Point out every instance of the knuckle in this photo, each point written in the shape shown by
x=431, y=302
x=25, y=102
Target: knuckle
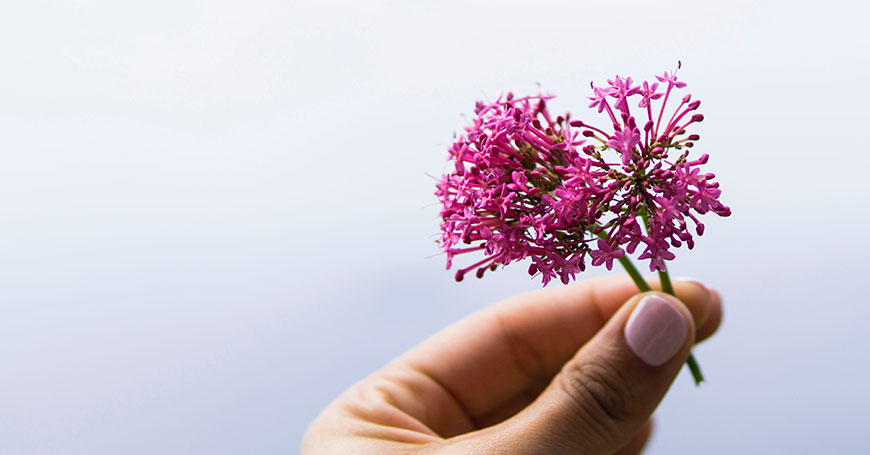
x=603, y=397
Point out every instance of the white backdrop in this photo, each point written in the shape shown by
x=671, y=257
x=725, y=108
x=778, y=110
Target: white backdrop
x=215, y=216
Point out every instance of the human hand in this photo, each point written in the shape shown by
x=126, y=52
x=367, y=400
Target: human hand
x=563, y=370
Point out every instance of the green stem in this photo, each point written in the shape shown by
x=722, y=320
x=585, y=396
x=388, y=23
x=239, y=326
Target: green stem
x=629, y=267
x=667, y=287
x=695, y=369
x=665, y=279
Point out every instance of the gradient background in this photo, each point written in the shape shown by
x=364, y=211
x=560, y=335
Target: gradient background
x=214, y=216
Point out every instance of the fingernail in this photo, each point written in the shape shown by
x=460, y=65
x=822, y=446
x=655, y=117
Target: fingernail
x=655, y=331
x=684, y=278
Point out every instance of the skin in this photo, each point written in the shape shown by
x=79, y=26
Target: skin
x=547, y=372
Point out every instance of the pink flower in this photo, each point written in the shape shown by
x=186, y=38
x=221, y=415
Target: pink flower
x=507, y=197
x=605, y=254
x=648, y=93
x=526, y=185
x=599, y=100
x=657, y=180
x=624, y=142
x=621, y=90
x=671, y=78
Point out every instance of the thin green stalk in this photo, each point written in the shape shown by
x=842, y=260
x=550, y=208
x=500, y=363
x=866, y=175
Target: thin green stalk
x=667, y=287
x=665, y=279
x=629, y=267
x=695, y=369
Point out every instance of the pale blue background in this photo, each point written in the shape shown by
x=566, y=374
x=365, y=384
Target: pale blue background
x=214, y=216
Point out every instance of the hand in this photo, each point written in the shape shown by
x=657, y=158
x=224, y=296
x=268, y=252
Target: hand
x=563, y=370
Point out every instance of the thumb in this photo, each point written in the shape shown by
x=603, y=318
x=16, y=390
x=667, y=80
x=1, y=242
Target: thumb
x=604, y=395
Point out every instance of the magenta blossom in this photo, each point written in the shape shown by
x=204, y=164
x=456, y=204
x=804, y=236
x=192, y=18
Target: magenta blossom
x=526, y=185
x=520, y=189
x=624, y=142
x=657, y=180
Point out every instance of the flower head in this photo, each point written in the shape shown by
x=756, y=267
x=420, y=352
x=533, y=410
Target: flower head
x=526, y=185
x=657, y=180
x=507, y=196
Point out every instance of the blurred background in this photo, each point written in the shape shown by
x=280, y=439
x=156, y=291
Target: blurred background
x=215, y=216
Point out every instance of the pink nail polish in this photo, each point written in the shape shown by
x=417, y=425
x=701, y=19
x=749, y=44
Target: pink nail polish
x=655, y=331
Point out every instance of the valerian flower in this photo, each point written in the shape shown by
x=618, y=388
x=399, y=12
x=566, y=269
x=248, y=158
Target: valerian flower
x=526, y=185
x=520, y=189
x=657, y=180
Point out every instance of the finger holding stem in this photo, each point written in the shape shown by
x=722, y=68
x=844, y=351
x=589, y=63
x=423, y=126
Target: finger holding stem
x=667, y=287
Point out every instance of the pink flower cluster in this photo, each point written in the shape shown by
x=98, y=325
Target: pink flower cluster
x=529, y=185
